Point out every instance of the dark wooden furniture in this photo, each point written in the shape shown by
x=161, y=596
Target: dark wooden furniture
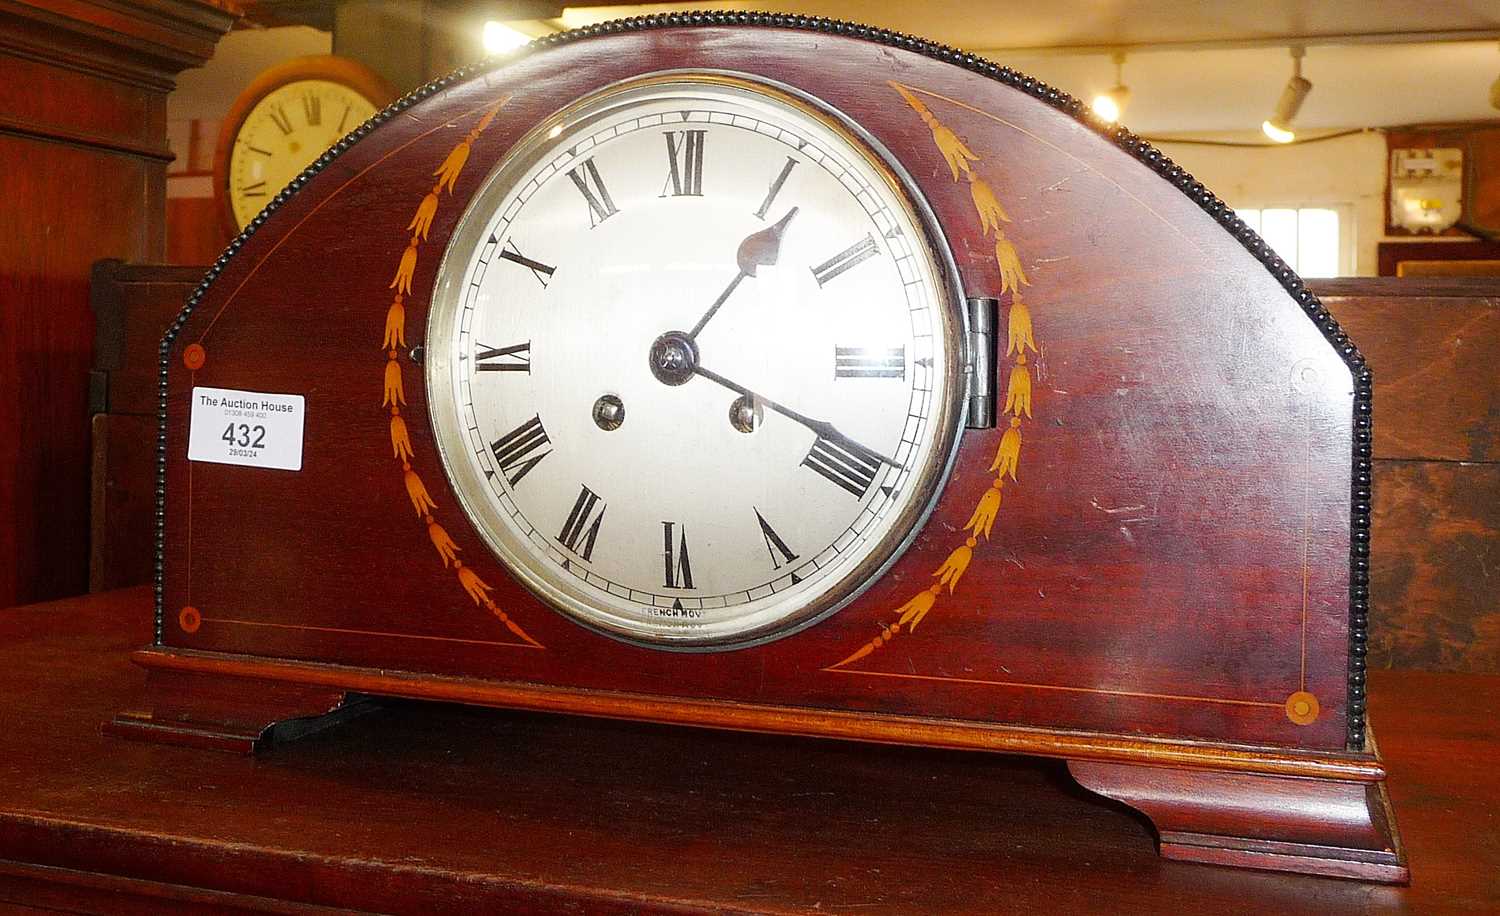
x=1175, y=597
x=83, y=158
x=1433, y=345
x=1391, y=255
x=435, y=809
x=133, y=304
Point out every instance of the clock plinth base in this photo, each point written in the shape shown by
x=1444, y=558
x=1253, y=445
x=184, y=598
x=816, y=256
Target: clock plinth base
x=232, y=714
x=1308, y=825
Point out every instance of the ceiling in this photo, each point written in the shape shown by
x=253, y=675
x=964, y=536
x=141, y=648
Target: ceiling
x=1353, y=85
x=1193, y=66
x=1209, y=65
x=1111, y=23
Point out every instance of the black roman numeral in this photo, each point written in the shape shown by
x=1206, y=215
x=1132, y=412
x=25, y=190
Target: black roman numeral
x=254, y=190
x=278, y=115
x=514, y=358
x=844, y=463
x=312, y=107
x=541, y=271
x=860, y=251
x=867, y=362
x=786, y=170
x=679, y=571
x=578, y=528
x=516, y=451
x=591, y=186
x=774, y=543
x=344, y=118
x=685, y=156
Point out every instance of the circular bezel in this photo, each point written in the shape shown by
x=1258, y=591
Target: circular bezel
x=518, y=555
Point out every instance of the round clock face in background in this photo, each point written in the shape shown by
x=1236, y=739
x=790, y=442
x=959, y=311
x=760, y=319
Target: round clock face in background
x=693, y=363
x=283, y=133
x=283, y=121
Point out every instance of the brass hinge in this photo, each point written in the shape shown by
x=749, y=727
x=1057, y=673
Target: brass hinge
x=983, y=316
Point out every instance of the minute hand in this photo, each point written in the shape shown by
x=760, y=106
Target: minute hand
x=822, y=428
x=759, y=249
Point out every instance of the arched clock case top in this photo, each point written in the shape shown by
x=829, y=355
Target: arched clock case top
x=1157, y=558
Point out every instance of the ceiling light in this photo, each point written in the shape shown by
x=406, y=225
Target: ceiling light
x=1110, y=105
x=1279, y=127
x=499, y=37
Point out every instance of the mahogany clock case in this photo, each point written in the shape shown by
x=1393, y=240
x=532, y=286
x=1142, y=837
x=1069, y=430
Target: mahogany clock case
x=1158, y=555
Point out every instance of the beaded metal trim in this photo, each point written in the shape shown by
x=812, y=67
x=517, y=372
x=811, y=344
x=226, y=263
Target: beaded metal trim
x=1360, y=496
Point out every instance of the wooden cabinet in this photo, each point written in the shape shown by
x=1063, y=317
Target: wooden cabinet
x=83, y=158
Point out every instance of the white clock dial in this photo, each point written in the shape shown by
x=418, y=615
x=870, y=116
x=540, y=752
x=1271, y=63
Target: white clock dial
x=283, y=134
x=692, y=363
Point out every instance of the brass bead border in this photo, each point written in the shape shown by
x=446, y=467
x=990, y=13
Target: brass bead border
x=1362, y=470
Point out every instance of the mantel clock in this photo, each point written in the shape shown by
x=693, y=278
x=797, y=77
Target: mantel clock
x=781, y=374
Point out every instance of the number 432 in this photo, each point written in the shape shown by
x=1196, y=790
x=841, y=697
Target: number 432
x=240, y=435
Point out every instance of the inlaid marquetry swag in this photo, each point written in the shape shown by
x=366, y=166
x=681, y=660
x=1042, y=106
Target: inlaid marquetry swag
x=964, y=165
x=1167, y=586
x=394, y=341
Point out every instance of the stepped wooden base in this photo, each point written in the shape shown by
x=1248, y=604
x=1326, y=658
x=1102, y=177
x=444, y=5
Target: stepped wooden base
x=1316, y=826
x=1322, y=814
x=231, y=714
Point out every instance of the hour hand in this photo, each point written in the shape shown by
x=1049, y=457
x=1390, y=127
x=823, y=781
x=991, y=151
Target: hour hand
x=834, y=450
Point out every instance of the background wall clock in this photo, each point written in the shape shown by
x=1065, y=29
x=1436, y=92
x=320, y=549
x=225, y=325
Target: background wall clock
x=664, y=372
x=282, y=121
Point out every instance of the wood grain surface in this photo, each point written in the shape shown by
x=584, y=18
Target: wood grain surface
x=1435, y=565
x=1436, y=390
x=1433, y=346
x=133, y=304
x=83, y=155
x=433, y=808
x=1173, y=560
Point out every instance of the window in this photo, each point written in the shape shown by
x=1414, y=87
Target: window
x=1310, y=239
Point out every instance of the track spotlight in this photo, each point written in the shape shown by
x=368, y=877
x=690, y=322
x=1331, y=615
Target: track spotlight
x=1110, y=105
x=1279, y=127
x=499, y=38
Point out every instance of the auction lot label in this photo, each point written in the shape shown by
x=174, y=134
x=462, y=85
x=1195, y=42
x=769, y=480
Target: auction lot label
x=251, y=428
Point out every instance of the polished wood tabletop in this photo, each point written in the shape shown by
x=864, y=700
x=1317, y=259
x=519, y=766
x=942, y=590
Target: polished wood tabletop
x=433, y=808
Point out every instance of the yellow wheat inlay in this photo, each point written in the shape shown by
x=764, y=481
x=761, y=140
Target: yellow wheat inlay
x=964, y=164
x=393, y=341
